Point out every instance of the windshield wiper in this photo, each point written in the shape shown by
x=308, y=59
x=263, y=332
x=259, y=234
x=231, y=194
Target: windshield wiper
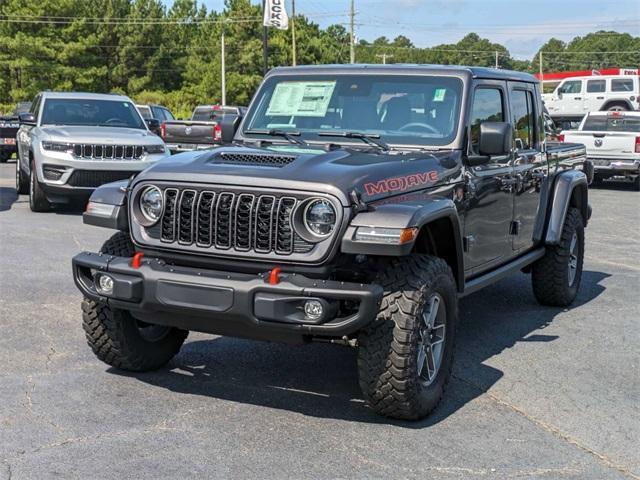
x=286, y=134
x=365, y=137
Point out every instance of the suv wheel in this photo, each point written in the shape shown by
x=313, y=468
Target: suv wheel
x=405, y=354
x=117, y=338
x=617, y=107
x=37, y=199
x=556, y=276
x=22, y=183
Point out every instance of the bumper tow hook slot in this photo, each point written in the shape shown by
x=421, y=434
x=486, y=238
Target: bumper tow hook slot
x=136, y=261
x=274, y=276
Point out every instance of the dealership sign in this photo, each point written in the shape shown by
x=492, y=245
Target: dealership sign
x=275, y=14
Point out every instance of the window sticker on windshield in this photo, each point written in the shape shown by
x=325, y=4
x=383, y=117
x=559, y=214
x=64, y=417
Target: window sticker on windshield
x=438, y=95
x=301, y=99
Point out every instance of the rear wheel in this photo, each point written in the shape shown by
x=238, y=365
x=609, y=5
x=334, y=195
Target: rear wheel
x=617, y=107
x=556, y=276
x=37, y=199
x=120, y=340
x=405, y=354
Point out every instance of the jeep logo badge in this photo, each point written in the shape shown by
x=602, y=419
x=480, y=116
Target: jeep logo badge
x=597, y=142
x=187, y=131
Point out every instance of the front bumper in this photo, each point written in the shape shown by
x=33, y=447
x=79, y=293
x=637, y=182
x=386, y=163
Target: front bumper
x=224, y=303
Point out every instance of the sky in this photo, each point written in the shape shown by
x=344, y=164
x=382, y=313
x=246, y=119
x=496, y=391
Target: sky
x=521, y=25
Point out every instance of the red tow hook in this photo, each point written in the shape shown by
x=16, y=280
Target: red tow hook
x=274, y=276
x=136, y=261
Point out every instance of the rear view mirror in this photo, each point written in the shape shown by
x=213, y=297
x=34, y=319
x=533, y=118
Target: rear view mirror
x=27, y=118
x=229, y=125
x=496, y=138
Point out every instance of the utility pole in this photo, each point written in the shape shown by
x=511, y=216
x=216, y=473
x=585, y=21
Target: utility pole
x=223, y=69
x=265, y=42
x=384, y=57
x=541, y=74
x=497, y=64
x=293, y=32
x=352, y=37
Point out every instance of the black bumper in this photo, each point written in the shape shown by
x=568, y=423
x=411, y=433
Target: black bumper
x=224, y=303
x=66, y=193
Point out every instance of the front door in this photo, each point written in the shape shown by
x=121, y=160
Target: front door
x=489, y=197
x=529, y=166
x=572, y=101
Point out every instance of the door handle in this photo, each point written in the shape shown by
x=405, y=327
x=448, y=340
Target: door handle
x=577, y=98
x=599, y=98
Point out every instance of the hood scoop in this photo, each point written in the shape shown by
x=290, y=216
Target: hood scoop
x=253, y=159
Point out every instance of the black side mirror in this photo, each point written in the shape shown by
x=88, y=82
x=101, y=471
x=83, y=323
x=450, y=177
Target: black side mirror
x=27, y=118
x=496, y=138
x=229, y=125
x=154, y=125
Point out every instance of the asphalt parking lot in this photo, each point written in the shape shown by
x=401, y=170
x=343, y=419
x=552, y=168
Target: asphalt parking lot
x=536, y=393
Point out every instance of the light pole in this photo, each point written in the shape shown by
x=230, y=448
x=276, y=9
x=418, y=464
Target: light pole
x=223, y=69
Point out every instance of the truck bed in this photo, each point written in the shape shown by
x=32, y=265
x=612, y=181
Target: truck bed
x=185, y=135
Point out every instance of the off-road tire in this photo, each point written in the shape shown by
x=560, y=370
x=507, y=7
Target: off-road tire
x=549, y=275
x=114, y=335
x=37, y=199
x=388, y=347
x=617, y=107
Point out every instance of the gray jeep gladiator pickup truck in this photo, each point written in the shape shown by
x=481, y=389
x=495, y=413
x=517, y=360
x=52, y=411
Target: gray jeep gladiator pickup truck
x=356, y=206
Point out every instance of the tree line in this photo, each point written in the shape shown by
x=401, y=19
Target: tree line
x=172, y=55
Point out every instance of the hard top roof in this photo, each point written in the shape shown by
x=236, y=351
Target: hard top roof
x=476, y=72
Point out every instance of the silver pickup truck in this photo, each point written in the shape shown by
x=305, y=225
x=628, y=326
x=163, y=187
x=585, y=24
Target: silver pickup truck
x=71, y=143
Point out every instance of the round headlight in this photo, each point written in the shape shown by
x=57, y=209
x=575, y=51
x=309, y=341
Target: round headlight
x=151, y=203
x=320, y=217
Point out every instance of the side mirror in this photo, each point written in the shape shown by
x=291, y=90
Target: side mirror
x=496, y=138
x=27, y=118
x=154, y=125
x=229, y=125
x=559, y=95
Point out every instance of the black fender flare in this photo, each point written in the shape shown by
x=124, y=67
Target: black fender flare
x=564, y=186
x=405, y=215
x=111, y=194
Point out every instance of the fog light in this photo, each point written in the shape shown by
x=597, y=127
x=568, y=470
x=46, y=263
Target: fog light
x=313, y=309
x=105, y=284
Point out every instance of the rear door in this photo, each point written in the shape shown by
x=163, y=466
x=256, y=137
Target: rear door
x=490, y=199
x=529, y=166
x=595, y=96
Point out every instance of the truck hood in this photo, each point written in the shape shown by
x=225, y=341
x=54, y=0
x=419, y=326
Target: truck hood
x=103, y=135
x=338, y=172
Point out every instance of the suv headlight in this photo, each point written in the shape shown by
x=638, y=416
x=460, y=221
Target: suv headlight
x=57, y=147
x=151, y=204
x=320, y=217
x=155, y=148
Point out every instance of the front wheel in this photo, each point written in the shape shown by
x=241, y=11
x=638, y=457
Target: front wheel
x=37, y=199
x=22, y=183
x=405, y=355
x=556, y=276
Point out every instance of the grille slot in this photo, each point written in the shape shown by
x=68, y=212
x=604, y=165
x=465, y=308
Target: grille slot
x=237, y=221
x=168, y=222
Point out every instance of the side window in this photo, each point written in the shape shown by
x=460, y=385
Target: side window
x=523, y=119
x=488, y=106
x=167, y=114
x=35, y=105
x=622, y=85
x=573, y=86
x=157, y=113
x=596, y=86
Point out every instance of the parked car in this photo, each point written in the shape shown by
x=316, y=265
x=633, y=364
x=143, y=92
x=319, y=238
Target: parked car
x=576, y=96
x=204, y=130
x=71, y=143
x=612, y=140
x=9, y=125
x=356, y=205
x=156, y=112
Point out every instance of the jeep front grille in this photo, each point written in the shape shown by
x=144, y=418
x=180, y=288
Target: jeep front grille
x=222, y=220
x=108, y=152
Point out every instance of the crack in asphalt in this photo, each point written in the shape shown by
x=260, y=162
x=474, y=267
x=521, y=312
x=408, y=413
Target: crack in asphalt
x=603, y=459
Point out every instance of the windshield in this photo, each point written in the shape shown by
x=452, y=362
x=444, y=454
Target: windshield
x=144, y=111
x=401, y=110
x=611, y=123
x=106, y=113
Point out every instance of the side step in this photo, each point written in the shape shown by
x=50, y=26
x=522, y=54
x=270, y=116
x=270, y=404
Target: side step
x=499, y=273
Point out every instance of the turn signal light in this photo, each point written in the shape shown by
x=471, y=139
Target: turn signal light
x=637, y=150
x=217, y=133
